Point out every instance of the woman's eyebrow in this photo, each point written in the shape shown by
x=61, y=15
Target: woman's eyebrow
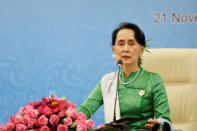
x=120, y=40
x=132, y=40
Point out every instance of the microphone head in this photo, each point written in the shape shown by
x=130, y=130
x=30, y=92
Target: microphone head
x=119, y=62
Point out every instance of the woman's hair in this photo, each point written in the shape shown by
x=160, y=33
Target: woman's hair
x=138, y=33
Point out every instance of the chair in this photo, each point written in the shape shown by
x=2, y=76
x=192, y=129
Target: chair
x=178, y=69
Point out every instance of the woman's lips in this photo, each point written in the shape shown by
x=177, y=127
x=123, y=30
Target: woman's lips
x=126, y=57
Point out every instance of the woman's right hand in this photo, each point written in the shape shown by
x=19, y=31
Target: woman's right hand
x=151, y=124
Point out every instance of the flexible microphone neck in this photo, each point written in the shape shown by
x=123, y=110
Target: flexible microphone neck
x=119, y=63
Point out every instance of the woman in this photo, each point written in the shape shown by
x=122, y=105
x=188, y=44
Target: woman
x=141, y=94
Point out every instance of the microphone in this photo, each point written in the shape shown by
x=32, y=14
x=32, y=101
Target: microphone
x=119, y=63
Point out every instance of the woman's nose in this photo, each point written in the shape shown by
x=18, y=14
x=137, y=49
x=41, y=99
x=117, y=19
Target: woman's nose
x=125, y=47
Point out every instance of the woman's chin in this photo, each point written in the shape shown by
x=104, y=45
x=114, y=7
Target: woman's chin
x=129, y=63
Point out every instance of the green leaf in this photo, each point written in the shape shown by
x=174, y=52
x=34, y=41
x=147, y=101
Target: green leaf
x=147, y=50
x=148, y=40
x=72, y=125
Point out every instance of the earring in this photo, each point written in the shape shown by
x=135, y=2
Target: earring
x=139, y=61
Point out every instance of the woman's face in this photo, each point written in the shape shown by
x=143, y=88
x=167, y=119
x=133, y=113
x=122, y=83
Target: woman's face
x=127, y=48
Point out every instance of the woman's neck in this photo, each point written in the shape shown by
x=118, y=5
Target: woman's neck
x=128, y=69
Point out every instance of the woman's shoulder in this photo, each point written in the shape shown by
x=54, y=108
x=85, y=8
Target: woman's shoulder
x=151, y=76
x=150, y=73
x=109, y=76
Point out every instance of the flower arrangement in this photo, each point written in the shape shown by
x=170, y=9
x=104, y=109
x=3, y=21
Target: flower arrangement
x=49, y=114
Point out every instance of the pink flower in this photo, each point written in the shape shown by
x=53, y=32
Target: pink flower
x=28, y=109
x=31, y=123
x=47, y=111
x=55, y=109
x=26, y=119
x=43, y=120
x=81, y=127
x=67, y=121
x=54, y=119
x=54, y=114
x=11, y=119
x=78, y=122
x=89, y=124
x=45, y=100
x=70, y=105
x=45, y=128
x=21, y=127
x=10, y=126
x=18, y=118
x=61, y=113
x=3, y=128
x=62, y=127
x=37, y=129
x=62, y=105
x=100, y=126
x=71, y=113
x=34, y=113
x=81, y=117
x=32, y=104
x=40, y=108
x=22, y=110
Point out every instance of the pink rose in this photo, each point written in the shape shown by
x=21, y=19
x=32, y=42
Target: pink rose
x=71, y=113
x=10, y=126
x=62, y=105
x=32, y=104
x=37, y=129
x=3, y=128
x=18, y=119
x=26, y=119
x=22, y=110
x=21, y=127
x=29, y=107
x=100, y=126
x=54, y=119
x=47, y=111
x=55, y=109
x=81, y=117
x=28, y=110
x=43, y=120
x=45, y=128
x=78, y=122
x=34, y=113
x=31, y=123
x=62, y=127
x=89, y=124
x=81, y=127
x=67, y=121
x=70, y=105
x=61, y=113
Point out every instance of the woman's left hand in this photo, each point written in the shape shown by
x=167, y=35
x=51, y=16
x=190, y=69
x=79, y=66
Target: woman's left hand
x=151, y=124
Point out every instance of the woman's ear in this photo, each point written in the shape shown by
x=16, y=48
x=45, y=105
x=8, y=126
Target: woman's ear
x=141, y=51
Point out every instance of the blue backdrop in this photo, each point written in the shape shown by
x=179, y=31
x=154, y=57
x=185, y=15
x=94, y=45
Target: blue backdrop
x=65, y=45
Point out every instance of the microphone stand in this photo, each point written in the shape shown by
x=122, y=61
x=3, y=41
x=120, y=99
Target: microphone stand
x=119, y=65
x=118, y=124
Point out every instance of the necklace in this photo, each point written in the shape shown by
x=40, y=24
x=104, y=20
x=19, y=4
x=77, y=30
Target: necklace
x=129, y=82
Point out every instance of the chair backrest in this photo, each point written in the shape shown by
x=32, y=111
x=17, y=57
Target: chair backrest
x=178, y=69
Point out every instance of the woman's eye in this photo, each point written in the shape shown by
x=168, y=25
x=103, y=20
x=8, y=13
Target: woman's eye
x=120, y=43
x=131, y=43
